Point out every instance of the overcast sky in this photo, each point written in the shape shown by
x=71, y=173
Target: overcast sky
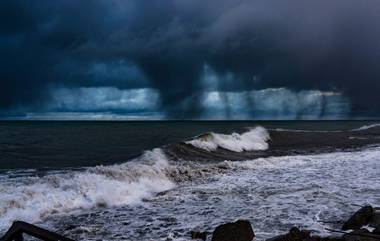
x=189, y=59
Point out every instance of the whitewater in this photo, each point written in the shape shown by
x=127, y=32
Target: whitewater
x=155, y=197
x=252, y=140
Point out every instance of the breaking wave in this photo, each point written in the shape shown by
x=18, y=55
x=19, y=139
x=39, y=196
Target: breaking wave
x=362, y=128
x=34, y=198
x=274, y=193
x=252, y=140
x=366, y=127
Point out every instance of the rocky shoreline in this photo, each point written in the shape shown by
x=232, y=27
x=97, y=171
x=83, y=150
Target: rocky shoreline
x=363, y=225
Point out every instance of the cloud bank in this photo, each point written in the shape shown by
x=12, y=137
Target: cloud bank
x=192, y=58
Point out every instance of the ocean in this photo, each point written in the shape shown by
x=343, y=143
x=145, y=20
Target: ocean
x=159, y=180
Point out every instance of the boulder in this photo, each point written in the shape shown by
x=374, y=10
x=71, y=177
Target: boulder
x=332, y=239
x=198, y=235
x=375, y=222
x=294, y=235
x=240, y=230
x=362, y=217
x=376, y=230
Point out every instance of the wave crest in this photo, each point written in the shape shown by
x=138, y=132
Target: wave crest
x=38, y=197
x=367, y=127
x=255, y=139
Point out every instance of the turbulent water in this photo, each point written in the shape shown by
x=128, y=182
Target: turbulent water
x=275, y=177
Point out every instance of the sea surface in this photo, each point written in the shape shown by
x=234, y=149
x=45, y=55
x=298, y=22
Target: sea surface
x=159, y=180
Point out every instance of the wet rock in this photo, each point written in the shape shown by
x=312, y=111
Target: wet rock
x=294, y=235
x=360, y=235
x=376, y=230
x=198, y=235
x=302, y=235
x=332, y=239
x=362, y=217
x=240, y=230
x=375, y=222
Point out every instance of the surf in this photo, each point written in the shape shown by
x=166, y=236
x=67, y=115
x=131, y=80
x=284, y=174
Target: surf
x=34, y=198
x=177, y=169
x=255, y=139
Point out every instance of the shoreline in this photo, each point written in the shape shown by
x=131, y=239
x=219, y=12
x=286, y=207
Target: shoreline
x=363, y=225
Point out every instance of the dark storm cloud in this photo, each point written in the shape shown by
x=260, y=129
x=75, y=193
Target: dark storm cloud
x=165, y=45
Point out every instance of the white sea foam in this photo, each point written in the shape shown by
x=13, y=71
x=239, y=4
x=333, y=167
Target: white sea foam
x=277, y=193
x=274, y=193
x=362, y=128
x=252, y=140
x=304, y=131
x=366, y=127
x=31, y=199
x=305, y=189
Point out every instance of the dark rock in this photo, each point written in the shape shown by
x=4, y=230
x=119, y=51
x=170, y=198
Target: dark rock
x=362, y=217
x=294, y=235
x=360, y=235
x=376, y=230
x=240, y=230
x=198, y=235
x=376, y=218
x=332, y=239
x=318, y=238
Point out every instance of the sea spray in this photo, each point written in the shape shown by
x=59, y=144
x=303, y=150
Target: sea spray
x=273, y=193
x=253, y=140
x=34, y=198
